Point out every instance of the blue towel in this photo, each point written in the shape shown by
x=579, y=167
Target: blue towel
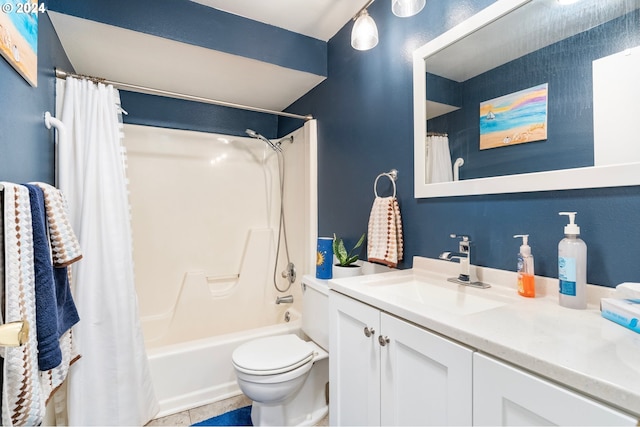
x=49, y=354
x=67, y=312
x=55, y=310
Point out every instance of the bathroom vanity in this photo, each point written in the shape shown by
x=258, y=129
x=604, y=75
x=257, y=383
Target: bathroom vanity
x=410, y=348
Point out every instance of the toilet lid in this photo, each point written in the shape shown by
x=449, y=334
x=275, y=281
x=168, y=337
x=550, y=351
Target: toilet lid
x=272, y=355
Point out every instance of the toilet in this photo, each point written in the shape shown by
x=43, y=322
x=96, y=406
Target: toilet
x=285, y=376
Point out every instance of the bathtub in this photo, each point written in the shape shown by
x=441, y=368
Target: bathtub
x=200, y=372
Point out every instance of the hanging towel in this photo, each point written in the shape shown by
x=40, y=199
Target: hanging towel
x=55, y=310
x=22, y=400
x=49, y=355
x=65, y=250
x=384, y=241
x=65, y=247
x=52, y=379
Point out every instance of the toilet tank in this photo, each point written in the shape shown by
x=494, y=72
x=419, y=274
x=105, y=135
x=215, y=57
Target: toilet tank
x=315, y=310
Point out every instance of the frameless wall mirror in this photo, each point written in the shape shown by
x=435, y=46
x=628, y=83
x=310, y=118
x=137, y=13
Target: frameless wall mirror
x=529, y=95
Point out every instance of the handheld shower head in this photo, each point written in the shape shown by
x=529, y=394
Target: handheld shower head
x=253, y=134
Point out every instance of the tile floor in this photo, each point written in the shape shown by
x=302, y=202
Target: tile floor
x=201, y=413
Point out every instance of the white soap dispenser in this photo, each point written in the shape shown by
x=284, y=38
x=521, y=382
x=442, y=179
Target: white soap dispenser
x=572, y=266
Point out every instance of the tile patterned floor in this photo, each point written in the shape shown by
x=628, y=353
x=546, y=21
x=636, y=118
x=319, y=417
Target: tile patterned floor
x=201, y=413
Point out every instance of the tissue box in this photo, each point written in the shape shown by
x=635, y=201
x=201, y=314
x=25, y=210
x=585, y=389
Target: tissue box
x=625, y=312
x=628, y=290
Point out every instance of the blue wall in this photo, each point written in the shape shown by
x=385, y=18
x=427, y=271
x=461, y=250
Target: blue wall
x=365, y=113
x=26, y=145
x=151, y=110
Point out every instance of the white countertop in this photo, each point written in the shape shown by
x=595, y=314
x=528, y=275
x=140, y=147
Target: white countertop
x=577, y=348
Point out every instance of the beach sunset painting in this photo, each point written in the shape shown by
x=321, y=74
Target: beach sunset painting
x=516, y=118
x=19, y=37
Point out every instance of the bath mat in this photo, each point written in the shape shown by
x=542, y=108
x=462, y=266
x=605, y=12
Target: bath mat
x=237, y=417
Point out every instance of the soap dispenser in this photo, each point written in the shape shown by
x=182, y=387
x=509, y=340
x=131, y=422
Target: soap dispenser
x=572, y=266
x=526, y=278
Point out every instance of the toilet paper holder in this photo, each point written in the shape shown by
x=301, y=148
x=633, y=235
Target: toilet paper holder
x=14, y=334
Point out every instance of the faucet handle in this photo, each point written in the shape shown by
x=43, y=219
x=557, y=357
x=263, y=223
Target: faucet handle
x=460, y=236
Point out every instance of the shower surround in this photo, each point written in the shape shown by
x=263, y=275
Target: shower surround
x=205, y=211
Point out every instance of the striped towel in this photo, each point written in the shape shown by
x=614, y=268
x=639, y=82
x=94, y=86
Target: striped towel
x=22, y=400
x=65, y=248
x=25, y=389
x=384, y=240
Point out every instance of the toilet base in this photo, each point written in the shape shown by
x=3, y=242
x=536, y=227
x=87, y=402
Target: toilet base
x=265, y=415
x=306, y=407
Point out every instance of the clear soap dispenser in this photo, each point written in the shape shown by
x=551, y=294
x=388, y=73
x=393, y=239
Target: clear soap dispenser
x=526, y=278
x=572, y=266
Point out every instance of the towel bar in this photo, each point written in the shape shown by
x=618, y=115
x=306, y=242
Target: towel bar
x=392, y=175
x=14, y=334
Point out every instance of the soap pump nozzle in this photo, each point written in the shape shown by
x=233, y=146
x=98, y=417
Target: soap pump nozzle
x=525, y=249
x=572, y=227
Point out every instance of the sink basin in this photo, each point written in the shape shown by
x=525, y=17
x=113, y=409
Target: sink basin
x=452, y=300
x=418, y=294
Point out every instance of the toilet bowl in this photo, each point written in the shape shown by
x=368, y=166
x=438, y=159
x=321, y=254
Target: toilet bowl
x=285, y=376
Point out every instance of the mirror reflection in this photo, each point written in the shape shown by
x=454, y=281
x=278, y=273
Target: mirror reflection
x=545, y=87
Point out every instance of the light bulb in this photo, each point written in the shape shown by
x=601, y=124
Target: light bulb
x=364, y=35
x=406, y=8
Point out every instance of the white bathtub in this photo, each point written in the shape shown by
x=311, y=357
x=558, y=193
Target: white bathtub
x=200, y=372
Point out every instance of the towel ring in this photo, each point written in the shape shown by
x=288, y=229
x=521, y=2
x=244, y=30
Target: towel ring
x=392, y=175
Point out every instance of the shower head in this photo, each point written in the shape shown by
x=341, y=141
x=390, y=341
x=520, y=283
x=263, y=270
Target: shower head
x=253, y=134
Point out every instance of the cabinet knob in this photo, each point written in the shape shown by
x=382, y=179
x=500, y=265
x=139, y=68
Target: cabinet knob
x=383, y=340
x=368, y=331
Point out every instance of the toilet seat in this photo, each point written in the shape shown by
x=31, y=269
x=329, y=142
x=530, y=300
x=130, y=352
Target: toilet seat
x=272, y=355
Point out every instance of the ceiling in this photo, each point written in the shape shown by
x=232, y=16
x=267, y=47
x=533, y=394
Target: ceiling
x=320, y=19
x=127, y=56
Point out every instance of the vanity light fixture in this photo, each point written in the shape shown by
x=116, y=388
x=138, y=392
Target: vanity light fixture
x=364, y=35
x=406, y=8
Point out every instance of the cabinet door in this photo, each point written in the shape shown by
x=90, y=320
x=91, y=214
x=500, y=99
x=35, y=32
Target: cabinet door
x=506, y=396
x=354, y=362
x=425, y=378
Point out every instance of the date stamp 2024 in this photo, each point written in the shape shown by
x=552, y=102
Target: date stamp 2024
x=22, y=8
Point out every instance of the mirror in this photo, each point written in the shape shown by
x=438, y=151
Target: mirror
x=590, y=98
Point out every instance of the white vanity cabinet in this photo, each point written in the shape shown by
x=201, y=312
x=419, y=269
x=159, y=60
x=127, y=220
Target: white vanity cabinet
x=504, y=395
x=386, y=371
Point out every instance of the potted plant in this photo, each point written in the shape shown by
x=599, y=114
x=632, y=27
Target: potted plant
x=346, y=266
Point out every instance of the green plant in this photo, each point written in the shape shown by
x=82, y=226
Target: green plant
x=346, y=258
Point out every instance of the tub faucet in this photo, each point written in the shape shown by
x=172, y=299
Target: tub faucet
x=287, y=299
x=467, y=274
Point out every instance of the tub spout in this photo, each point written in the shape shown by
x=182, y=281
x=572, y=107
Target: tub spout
x=287, y=299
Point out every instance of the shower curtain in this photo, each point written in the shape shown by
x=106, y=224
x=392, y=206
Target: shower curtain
x=438, y=159
x=111, y=383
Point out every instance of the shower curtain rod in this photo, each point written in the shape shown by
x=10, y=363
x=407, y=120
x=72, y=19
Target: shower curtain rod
x=64, y=74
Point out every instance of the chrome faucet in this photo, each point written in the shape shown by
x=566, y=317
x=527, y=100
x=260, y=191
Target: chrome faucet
x=287, y=299
x=467, y=274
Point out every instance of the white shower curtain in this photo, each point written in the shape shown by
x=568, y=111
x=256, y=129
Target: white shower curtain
x=110, y=384
x=438, y=159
